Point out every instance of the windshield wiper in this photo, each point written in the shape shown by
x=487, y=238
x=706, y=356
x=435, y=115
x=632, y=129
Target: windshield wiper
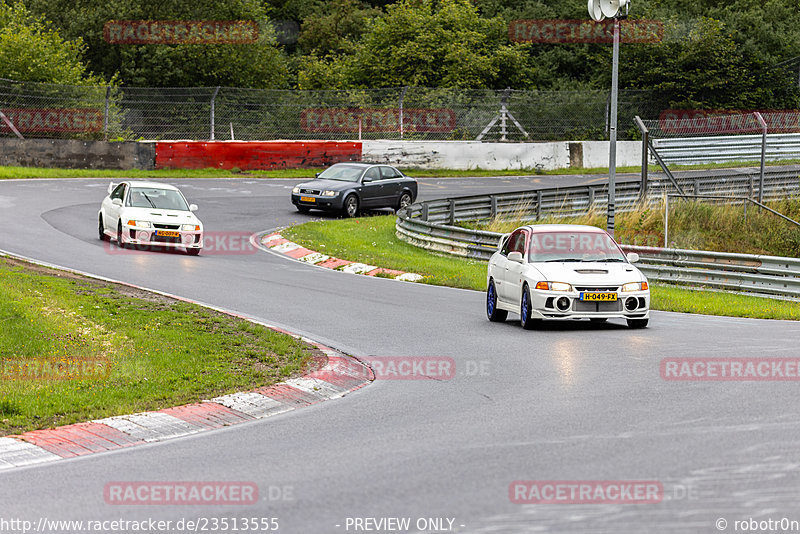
x=148, y=199
x=563, y=260
x=607, y=260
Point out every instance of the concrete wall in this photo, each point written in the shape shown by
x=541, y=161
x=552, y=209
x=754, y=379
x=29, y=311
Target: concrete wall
x=496, y=156
x=72, y=154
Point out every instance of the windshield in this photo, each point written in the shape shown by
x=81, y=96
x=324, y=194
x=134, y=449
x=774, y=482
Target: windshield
x=573, y=246
x=345, y=173
x=163, y=199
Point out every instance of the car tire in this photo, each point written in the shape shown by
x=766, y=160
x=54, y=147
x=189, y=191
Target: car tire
x=404, y=201
x=101, y=229
x=495, y=315
x=525, y=310
x=192, y=251
x=120, y=244
x=350, y=206
x=637, y=323
x=303, y=209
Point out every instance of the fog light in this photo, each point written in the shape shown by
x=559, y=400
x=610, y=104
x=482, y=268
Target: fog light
x=631, y=303
x=188, y=239
x=143, y=236
x=562, y=304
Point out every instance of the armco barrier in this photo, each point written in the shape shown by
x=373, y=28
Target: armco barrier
x=253, y=155
x=432, y=225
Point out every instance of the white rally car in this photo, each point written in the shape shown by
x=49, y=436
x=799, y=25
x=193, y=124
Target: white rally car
x=149, y=214
x=565, y=271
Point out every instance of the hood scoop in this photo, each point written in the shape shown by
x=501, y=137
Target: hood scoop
x=591, y=271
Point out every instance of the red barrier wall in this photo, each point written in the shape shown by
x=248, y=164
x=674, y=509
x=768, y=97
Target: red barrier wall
x=253, y=155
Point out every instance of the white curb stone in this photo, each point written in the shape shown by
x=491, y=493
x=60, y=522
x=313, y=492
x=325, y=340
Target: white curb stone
x=252, y=404
x=286, y=247
x=273, y=237
x=315, y=258
x=16, y=453
x=358, y=268
x=150, y=426
x=317, y=387
x=409, y=277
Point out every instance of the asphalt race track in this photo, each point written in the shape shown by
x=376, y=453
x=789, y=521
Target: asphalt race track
x=573, y=401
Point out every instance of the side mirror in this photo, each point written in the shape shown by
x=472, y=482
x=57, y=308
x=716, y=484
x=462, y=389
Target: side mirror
x=632, y=257
x=365, y=180
x=515, y=256
x=110, y=187
x=192, y=207
x=116, y=201
x=317, y=174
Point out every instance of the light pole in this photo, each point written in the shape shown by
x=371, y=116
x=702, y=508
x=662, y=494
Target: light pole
x=599, y=10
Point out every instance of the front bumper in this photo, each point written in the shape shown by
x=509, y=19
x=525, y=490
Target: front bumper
x=146, y=237
x=320, y=202
x=551, y=305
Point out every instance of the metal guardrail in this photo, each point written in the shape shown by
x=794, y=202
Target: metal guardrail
x=432, y=225
x=721, y=149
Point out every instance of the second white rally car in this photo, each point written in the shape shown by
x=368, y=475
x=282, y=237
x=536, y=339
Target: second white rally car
x=149, y=214
x=555, y=271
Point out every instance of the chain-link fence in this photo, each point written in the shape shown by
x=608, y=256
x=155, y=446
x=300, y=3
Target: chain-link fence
x=202, y=113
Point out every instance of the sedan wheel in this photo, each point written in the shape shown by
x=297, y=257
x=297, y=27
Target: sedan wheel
x=351, y=206
x=637, y=323
x=120, y=244
x=101, y=230
x=494, y=315
x=404, y=202
x=525, y=311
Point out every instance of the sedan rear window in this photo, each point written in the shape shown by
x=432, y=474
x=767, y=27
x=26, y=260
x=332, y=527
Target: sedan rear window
x=163, y=199
x=573, y=246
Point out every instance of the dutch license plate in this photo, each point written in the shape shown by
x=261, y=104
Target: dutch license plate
x=308, y=199
x=167, y=233
x=602, y=296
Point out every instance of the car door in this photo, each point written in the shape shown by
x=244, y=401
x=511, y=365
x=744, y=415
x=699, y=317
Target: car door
x=513, y=279
x=371, y=188
x=497, y=269
x=112, y=211
x=392, y=186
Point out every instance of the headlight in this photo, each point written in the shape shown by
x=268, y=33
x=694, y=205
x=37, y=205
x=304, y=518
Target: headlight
x=296, y=190
x=190, y=227
x=635, y=286
x=140, y=224
x=554, y=286
x=329, y=193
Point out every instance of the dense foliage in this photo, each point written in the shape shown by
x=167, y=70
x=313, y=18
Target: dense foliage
x=713, y=54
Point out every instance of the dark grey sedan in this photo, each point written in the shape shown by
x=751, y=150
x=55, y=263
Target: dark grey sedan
x=350, y=187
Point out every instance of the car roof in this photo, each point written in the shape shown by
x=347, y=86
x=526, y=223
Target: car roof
x=541, y=228
x=152, y=185
x=360, y=163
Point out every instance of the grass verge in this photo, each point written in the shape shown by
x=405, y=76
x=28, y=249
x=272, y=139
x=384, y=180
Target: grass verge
x=11, y=172
x=692, y=225
x=74, y=349
x=372, y=240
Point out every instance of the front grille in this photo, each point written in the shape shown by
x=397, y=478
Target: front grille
x=167, y=226
x=310, y=191
x=596, y=307
x=596, y=288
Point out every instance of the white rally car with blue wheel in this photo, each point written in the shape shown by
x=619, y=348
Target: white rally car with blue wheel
x=565, y=271
x=149, y=215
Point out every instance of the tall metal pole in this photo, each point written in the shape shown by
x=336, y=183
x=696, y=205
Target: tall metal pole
x=612, y=149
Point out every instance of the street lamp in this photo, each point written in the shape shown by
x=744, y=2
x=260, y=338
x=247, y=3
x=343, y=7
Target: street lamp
x=599, y=10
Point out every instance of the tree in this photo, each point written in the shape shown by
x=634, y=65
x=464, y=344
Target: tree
x=31, y=50
x=432, y=43
x=260, y=64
